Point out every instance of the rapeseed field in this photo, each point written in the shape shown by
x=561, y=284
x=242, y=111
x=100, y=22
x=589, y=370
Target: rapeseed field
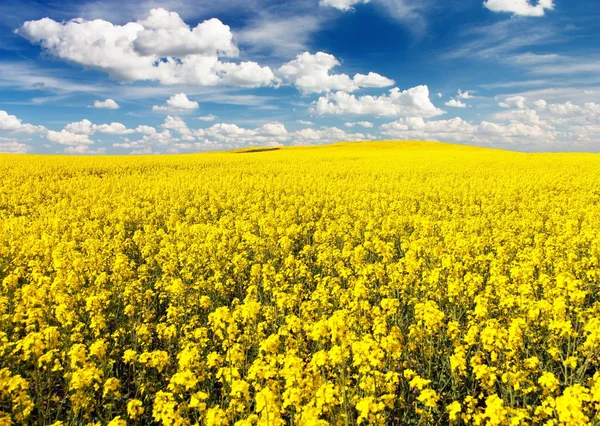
x=386, y=283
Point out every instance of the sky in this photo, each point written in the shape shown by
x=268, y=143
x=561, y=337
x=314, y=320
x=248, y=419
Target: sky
x=177, y=76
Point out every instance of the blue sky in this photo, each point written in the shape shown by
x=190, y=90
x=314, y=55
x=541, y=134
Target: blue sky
x=193, y=75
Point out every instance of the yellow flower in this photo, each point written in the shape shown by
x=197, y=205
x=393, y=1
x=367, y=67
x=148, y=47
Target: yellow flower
x=111, y=385
x=548, y=381
x=117, y=421
x=135, y=409
x=453, y=410
x=494, y=410
x=216, y=417
x=129, y=356
x=428, y=397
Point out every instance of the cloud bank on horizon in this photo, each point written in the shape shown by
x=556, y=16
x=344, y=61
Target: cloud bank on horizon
x=194, y=76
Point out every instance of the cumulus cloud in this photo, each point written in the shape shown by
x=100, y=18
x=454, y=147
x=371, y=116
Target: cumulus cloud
x=234, y=135
x=273, y=129
x=559, y=126
x=177, y=103
x=209, y=117
x=344, y=5
x=365, y=124
x=455, y=103
x=569, y=108
x=145, y=130
x=83, y=127
x=372, y=80
x=161, y=47
x=164, y=33
x=113, y=129
x=84, y=150
x=305, y=122
x=107, y=104
x=177, y=124
x=459, y=130
x=177, y=137
x=77, y=135
x=86, y=127
x=514, y=101
x=409, y=127
x=411, y=102
x=464, y=95
x=520, y=7
x=246, y=74
x=325, y=135
x=11, y=123
x=64, y=137
x=13, y=147
x=311, y=74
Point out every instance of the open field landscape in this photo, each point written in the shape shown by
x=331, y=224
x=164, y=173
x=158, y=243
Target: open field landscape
x=299, y=213
x=404, y=283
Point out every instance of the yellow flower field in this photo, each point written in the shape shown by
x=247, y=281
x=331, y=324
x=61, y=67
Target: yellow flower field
x=369, y=283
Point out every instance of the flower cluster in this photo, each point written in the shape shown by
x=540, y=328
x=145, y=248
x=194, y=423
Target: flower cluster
x=370, y=284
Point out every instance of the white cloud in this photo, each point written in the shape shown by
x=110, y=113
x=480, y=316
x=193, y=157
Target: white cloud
x=514, y=101
x=305, y=122
x=84, y=149
x=411, y=102
x=178, y=102
x=83, y=127
x=12, y=123
x=209, y=117
x=86, y=127
x=273, y=129
x=107, y=104
x=233, y=136
x=410, y=127
x=455, y=103
x=344, y=5
x=464, y=95
x=561, y=126
x=30, y=128
x=64, y=137
x=246, y=74
x=528, y=116
x=113, y=129
x=161, y=48
x=459, y=130
x=177, y=124
x=311, y=74
x=13, y=147
x=225, y=129
x=159, y=138
x=587, y=110
x=324, y=135
x=520, y=7
x=145, y=130
x=9, y=122
x=372, y=80
x=165, y=34
x=365, y=124
x=440, y=95
x=548, y=126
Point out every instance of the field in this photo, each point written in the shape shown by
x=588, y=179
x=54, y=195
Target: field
x=371, y=283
